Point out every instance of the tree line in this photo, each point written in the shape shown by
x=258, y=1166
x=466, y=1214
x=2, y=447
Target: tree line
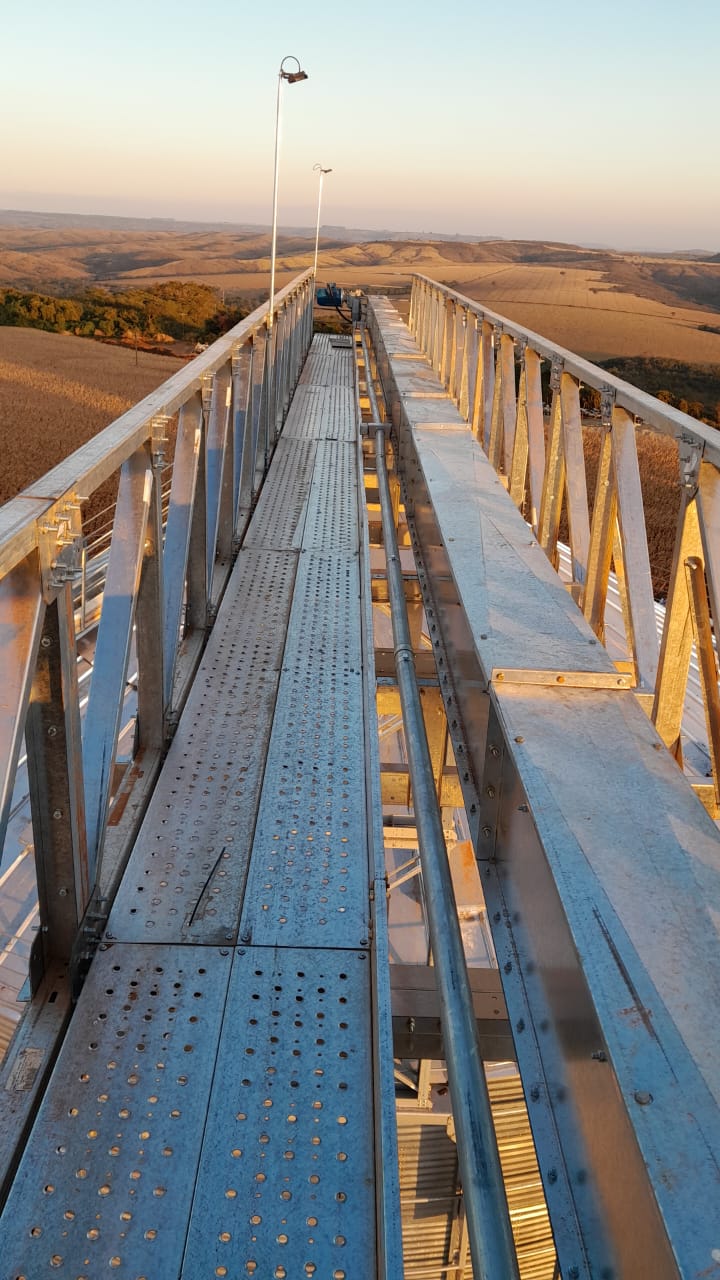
x=176, y=309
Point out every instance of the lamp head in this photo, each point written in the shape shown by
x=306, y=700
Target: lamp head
x=292, y=77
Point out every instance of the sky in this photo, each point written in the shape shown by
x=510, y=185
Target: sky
x=571, y=121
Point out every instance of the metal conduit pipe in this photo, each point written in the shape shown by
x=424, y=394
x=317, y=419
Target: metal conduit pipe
x=491, y=1241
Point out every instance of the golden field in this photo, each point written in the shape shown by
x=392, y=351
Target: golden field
x=57, y=392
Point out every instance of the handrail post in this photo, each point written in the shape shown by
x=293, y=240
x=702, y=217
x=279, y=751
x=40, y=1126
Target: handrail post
x=55, y=780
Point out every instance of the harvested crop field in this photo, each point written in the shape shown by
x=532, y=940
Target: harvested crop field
x=57, y=392
x=581, y=310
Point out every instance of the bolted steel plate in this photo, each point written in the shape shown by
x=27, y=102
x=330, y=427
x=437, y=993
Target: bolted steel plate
x=322, y=413
x=185, y=878
x=105, y=1185
x=285, y=1187
x=309, y=870
x=279, y=517
x=327, y=366
x=332, y=520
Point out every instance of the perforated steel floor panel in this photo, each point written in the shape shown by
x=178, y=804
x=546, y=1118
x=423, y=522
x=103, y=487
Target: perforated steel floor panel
x=322, y=413
x=278, y=520
x=106, y=1182
x=286, y=1175
x=328, y=366
x=308, y=881
x=332, y=520
x=185, y=877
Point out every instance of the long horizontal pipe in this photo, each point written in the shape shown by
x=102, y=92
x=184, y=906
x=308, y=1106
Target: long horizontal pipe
x=491, y=1242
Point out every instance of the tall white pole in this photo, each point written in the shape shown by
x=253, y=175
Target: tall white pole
x=273, y=239
x=317, y=228
x=293, y=77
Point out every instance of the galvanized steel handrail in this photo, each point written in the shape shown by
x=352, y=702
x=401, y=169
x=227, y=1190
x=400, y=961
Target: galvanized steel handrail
x=167, y=566
x=491, y=1239
x=491, y=368
x=653, y=412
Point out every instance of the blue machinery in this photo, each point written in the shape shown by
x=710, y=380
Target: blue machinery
x=365, y=710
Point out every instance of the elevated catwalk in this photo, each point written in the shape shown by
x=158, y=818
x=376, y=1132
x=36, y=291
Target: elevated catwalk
x=211, y=1111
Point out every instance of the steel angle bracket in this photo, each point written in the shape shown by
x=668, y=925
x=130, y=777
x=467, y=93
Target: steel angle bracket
x=60, y=544
x=550, y=679
x=607, y=404
x=159, y=438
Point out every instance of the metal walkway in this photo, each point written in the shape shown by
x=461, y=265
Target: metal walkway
x=211, y=1110
x=253, y=1081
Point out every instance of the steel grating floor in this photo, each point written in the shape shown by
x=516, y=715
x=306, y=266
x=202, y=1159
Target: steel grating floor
x=210, y=1112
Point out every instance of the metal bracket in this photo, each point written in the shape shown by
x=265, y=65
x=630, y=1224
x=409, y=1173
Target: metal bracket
x=159, y=438
x=556, y=371
x=567, y=679
x=89, y=938
x=607, y=404
x=690, y=452
x=60, y=544
x=206, y=390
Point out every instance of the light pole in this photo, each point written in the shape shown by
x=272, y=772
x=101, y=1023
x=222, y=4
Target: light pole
x=292, y=77
x=322, y=172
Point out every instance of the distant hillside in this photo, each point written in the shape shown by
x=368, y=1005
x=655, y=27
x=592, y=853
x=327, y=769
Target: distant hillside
x=27, y=218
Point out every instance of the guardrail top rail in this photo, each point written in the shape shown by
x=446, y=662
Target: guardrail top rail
x=492, y=367
x=165, y=574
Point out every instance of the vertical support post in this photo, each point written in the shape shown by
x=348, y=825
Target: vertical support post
x=197, y=583
x=21, y=616
x=55, y=781
x=576, y=483
x=707, y=662
x=439, y=331
x=554, y=483
x=149, y=621
x=218, y=422
x=509, y=407
x=631, y=518
x=601, y=541
x=495, y=437
x=467, y=369
x=249, y=444
x=677, y=639
x=454, y=335
x=536, y=433
x=112, y=651
x=518, y=471
x=178, y=535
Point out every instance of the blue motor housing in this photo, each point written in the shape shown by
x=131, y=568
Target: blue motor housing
x=329, y=296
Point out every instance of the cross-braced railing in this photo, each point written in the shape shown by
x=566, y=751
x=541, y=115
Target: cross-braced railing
x=493, y=370
x=167, y=561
